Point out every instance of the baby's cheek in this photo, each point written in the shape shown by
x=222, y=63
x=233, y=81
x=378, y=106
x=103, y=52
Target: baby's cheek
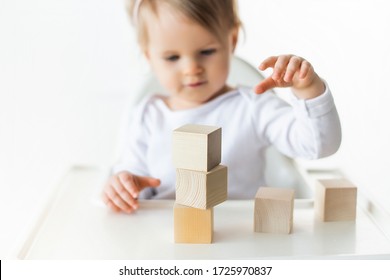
x=171, y=84
x=167, y=80
x=220, y=76
x=221, y=68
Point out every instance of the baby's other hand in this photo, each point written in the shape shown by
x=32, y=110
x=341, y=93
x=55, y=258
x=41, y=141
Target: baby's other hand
x=121, y=191
x=291, y=71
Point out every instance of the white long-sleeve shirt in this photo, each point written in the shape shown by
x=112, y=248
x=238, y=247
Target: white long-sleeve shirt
x=250, y=123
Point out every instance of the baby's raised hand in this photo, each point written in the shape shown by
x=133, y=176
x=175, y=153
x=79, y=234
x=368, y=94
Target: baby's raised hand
x=291, y=71
x=121, y=190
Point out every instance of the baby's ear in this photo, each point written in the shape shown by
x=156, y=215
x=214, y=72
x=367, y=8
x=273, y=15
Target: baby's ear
x=234, y=37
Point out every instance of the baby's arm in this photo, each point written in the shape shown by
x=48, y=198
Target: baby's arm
x=311, y=129
x=122, y=189
x=291, y=71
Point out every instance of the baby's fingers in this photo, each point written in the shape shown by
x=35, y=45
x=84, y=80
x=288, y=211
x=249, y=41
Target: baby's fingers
x=265, y=85
x=306, y=67
x=268, y=62
x=278, y=63
x=280, y=67
x=109, y=203
x=115, y=202
x=119, y=196
x=293, y=67
x=129, y=183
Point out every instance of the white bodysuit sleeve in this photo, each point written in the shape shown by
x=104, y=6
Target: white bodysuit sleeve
x=307, y=129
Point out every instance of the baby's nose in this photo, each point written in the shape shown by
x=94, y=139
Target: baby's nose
x=192, y=67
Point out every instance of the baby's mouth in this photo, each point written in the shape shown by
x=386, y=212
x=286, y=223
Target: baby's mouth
x=196, y=84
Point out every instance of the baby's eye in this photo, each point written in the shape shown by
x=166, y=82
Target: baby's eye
x=172, y=58
x=208, y=51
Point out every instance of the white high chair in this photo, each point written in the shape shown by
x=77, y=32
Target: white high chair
x=281, y=171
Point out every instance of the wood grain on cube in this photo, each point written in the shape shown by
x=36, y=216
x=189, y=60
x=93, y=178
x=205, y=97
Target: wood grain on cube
x=201, y=189
x=274, y=210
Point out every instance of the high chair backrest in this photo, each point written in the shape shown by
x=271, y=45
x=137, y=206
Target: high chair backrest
x=280, y=170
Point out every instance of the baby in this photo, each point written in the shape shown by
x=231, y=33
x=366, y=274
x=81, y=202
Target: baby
x=189, y=44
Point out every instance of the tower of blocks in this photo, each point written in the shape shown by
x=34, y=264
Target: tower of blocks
x=335, y=200
x=201, y=181
x=274, y=210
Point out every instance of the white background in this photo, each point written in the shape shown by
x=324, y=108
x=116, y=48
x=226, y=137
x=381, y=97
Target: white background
x=67, y=66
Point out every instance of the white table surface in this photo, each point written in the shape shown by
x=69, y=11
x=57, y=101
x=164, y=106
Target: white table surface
x=78, y=226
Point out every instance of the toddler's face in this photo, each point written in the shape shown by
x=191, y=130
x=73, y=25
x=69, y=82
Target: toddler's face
x=189, y=61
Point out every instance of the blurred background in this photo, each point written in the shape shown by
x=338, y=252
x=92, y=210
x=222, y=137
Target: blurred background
x=67, y=68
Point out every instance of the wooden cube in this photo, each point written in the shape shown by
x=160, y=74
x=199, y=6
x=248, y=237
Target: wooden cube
x=201, y=189
x=197, y=147
x=274, y=210
x=192, y=225
x=335, y=200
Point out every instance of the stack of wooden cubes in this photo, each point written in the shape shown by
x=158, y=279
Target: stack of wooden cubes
x=201, y=181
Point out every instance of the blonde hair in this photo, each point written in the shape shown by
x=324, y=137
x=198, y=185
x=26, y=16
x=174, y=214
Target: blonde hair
x=217, y=16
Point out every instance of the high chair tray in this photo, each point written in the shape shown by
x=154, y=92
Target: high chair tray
x=77, y=225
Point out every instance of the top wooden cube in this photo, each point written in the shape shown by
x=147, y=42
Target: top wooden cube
x=197, y=147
